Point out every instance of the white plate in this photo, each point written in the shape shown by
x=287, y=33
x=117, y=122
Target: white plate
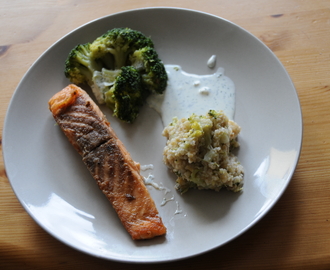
x=56, y=189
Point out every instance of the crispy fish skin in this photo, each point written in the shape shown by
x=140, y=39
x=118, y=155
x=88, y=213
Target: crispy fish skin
x=110, y=164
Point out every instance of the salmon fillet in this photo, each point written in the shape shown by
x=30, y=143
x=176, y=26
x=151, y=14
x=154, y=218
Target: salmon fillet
x=107, y=159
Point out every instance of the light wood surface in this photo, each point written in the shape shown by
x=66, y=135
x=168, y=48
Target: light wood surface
x=295, y=234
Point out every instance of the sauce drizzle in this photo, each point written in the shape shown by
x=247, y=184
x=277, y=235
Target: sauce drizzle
x=190, y=93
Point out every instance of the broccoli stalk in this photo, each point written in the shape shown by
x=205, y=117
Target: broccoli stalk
x=121, y=67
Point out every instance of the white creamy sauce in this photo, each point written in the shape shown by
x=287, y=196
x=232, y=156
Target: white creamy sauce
x=166, y=190
x=149, y=180
x=165, y=200
x=146, y=167
x=212, y=61
x=189, y=93
x=178, y=209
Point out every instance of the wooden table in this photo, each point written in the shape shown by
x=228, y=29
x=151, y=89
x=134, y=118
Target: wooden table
x=295, y=234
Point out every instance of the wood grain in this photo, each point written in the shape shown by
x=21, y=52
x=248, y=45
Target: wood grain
x=295, y=234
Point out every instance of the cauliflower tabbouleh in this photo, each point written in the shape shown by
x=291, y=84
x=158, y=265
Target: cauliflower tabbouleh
x=198, y=151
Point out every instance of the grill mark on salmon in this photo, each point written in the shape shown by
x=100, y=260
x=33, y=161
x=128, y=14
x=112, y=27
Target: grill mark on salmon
x=108, y=161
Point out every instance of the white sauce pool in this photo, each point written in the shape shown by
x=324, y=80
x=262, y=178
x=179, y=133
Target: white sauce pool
x=189, y=93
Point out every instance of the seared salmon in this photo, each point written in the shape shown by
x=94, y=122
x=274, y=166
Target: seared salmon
x=107, y=159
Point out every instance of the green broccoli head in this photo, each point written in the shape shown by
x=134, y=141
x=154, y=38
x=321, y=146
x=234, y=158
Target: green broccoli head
x=121, y=67
x=153, y=72
x=127, y=95
x=80, y=66
x=120, y=43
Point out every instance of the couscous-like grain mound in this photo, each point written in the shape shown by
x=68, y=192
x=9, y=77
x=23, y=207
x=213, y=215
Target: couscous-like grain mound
x=198, y=151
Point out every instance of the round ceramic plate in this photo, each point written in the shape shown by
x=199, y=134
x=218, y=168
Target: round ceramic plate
x=55, y=188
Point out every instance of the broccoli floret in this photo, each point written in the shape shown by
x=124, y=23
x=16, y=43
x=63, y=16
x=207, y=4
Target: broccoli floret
x=153, y=72
x=127, y=95
x=80, y=66
x=121, y=67
x=119, y=42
